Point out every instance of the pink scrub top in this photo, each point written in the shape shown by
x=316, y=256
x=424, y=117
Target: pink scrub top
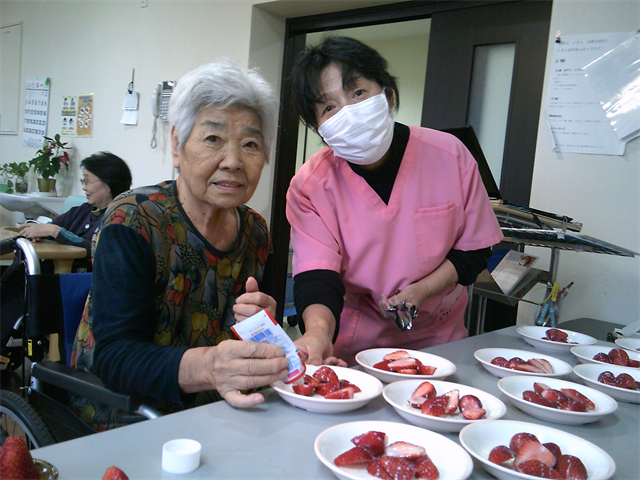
x=339, y=223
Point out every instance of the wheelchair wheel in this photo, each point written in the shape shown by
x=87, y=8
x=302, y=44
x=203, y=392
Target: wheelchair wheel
x=19, y=419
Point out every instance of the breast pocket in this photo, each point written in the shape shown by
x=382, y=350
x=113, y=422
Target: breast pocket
x=437, y=229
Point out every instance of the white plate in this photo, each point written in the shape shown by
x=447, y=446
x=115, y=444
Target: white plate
x=534, y=336
x=585, y=354
x=480, y=438
x=589, y=372
x=397, y=395
x=632, y=344
x=485, y=355
x=449, y=457
x=513, y=387
x=368, y=358
x=371, y=387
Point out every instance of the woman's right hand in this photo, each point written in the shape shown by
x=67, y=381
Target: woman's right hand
x=230, y=367
x=36, y=231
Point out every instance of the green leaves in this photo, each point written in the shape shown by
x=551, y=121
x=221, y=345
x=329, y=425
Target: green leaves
x=51, y=157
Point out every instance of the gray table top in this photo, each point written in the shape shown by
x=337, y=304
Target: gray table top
x=275, y=440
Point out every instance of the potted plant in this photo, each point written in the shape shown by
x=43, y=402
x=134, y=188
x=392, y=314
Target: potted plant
x=17, y=171
x=48, y=161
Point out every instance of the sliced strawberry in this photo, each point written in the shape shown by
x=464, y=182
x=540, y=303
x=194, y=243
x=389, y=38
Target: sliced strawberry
x=398, y=468
x=376, y=469
x=555, y=396
x=407, y=371
x=624, y=380
x=355, y=455
x=519, y=438
x=306, y=390
x=405, y=450
x=342, y=394
x=434, y=406
x=514, y=362
x=309, y=380
x=556, y=335
x=555, y=449
x=539, y=387
x=619, y=357
x=576, y=395
x=402, y=363
x=542, y=364
x=571, y=468
x=527, y=367
x=426, y=369
x=533, y=397
x=416, y=401
x=500, y=362
x=534, y=450
x=474, y=413
x=425, y=389
x=471, y=407
x=397, y=355
x=634, y=363
x=326, y=388
x=453, y=398
x=501, y=454
x=425, y=468
x=326, y=375
x=607, y=378
x=537, y=469
x=373, y=441
x=574, y=406
x=383, y=365
x=602, y=357
x=347, y=383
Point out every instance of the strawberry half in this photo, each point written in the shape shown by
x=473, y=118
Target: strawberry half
x=425, y=468
x=538, y=469
x=519, y=438
x=405, y=450
x=425, y=389
x=355, y=455
x=426, y=369
x=398, y=468
x=534, y=450
x=501, y=454
x=397, y=355
x=533, y=397
x=383, y=365
x=372, y=441
x=500, y=362
x=376, y=469
x=326, y=375
x=619, y=357
x=306, y=390
x=434, y=406
x=402, y=364
x=571, y=468
x=452, y=397
x=342, y=394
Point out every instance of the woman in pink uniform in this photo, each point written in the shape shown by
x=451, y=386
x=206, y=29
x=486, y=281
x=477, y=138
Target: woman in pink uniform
x=385, y=216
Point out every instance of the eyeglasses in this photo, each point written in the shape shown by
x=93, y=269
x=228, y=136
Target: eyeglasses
x=84, y=181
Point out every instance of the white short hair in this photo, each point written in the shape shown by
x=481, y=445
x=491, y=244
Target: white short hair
x=224, y=84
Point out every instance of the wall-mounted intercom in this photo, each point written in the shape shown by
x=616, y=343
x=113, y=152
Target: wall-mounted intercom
x=160, y=105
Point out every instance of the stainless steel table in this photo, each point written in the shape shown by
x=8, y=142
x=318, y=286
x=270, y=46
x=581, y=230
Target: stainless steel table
x=275, y=440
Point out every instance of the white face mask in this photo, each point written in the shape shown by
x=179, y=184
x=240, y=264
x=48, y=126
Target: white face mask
x=360, y=133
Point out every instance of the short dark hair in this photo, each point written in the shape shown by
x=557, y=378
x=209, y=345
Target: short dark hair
x=352, y=56
x=110, y=169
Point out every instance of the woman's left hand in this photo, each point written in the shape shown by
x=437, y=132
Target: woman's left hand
x=253, y=301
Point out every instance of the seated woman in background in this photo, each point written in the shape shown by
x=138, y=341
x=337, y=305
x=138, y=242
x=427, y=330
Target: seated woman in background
x=177, y=264
x=104, y=177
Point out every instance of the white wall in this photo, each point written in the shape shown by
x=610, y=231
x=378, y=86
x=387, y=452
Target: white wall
x=602, y=192
x=91, y=47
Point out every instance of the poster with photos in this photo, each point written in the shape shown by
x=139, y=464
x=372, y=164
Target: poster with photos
x=36, y=110
x=84, y=120
x=69, y=115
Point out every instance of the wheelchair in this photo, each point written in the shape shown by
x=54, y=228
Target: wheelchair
x=52, y=304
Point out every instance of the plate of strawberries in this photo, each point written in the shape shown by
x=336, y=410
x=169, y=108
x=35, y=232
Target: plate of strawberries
x=511, y=450
x=330, y=389
x=378, y=449
x=622, y=383
x=442, y=406
x=504, y=362
x=553, y=339
x=606, y=355
x=392, y=364
x=557, y=400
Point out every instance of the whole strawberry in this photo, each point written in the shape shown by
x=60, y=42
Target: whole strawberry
x=114, y=473
x=15, y=461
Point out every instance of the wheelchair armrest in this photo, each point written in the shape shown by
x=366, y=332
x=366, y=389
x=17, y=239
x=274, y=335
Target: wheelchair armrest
x=82, y=383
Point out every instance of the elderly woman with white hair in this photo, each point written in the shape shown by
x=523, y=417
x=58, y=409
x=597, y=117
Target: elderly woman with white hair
x=176, y=264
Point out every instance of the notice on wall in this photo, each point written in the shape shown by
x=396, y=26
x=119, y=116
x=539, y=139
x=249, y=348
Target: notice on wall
x=36, y=111
x=69, y=115
x=574, y=115
x=84, y=123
